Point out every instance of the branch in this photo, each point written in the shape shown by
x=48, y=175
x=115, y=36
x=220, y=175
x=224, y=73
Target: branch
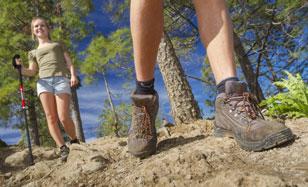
x=196, y=78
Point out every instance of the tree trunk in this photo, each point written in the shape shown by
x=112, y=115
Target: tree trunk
x=115, y=124
x=75, y=112
x=247, y=68
x=184, y=107
x=32, y=118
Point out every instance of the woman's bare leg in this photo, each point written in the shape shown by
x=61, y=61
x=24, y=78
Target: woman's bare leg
x=49, y=104
x=63, y=103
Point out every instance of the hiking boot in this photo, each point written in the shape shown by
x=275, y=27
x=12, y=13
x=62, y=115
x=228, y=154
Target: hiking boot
x=142, y=136
x=64, y=151
x=238, y=116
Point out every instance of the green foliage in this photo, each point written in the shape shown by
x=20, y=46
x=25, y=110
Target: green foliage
x=66, y=19
x=272, y=33
x=179, y=22
x=2, y=144
x=290, y=104
x=118, y=9
x=44, y=135
x=108, y=53
x=123, y=111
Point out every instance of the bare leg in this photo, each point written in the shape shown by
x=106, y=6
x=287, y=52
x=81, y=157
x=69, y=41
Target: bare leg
x=49, y=105
x=215, y=28
x=146, y=18
x=63, y=103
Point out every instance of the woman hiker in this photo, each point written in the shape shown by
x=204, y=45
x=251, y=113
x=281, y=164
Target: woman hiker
x=53, y=63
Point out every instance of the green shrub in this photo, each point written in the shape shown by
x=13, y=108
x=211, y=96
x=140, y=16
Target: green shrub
x=291, y=104
x=2, y=144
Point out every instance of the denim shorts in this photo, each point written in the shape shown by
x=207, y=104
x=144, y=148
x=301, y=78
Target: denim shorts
x=55, y=85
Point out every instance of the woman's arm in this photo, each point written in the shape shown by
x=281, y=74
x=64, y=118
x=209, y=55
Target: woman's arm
x=30, y=71
x=74, y=80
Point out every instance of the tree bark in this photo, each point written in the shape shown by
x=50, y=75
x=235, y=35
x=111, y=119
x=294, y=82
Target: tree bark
x=32, y=118
x=184, y=107
x=115, y=124
x=75, y=112
x=247, y=68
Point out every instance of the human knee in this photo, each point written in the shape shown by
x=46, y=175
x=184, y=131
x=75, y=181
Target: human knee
x=64, y=119
x=52, y=118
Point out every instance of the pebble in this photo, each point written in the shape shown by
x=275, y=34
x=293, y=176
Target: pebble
x=188, y=177
x=8, y=175
x=81, y=185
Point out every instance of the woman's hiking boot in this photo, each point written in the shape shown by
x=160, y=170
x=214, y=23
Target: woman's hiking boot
x=142, y=137
x=64, y=151
x=237, y=115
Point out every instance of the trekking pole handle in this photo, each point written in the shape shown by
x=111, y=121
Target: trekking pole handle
x=14, y=63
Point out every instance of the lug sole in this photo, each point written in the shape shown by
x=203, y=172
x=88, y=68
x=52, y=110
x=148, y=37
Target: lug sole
x=270, y=141
x=143, y=154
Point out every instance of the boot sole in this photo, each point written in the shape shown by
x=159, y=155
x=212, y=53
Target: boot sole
x=270, y=141
x=143, y=154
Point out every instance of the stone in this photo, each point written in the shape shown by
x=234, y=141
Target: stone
x=7, y=175
x=17, y=159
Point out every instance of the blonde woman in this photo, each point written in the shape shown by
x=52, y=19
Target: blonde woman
x=53, y=63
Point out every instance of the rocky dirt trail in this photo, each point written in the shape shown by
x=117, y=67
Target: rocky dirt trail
x=191, y=156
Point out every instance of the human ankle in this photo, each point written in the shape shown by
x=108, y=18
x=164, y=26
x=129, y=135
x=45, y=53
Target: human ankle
x=145, y=87
x=221, y=85
x=76, y=141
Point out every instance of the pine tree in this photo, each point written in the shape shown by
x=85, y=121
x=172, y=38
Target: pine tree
x=15, y=32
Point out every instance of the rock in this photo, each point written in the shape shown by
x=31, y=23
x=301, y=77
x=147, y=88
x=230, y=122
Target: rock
x=81, y=185
x=122, y=143
x=33, y=184
x=188, y=177
x=45, y=153
x=95, y=163
x=17, y=159
x=40, y=169
x=240, y=178
x=163, y=132
x=19, y=177
x=7, y=175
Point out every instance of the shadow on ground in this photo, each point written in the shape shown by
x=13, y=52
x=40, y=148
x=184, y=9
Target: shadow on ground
x=167, y=144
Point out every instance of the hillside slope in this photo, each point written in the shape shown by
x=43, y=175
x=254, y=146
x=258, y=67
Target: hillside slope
x=190, y=157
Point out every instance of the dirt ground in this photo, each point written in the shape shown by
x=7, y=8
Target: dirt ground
x=191, y=156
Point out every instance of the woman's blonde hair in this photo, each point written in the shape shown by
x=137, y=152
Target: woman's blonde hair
x=32, y=27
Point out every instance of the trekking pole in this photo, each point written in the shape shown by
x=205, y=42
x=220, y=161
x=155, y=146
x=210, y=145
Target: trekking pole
x=23, y=105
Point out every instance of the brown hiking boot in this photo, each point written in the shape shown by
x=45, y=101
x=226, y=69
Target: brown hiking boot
x=238, y=116
x=142, y=136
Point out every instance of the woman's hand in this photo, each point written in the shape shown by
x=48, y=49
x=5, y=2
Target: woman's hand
x=18, y=61
x=74, y=81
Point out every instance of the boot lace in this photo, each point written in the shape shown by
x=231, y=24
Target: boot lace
x=246, y=103
x=144, y=122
